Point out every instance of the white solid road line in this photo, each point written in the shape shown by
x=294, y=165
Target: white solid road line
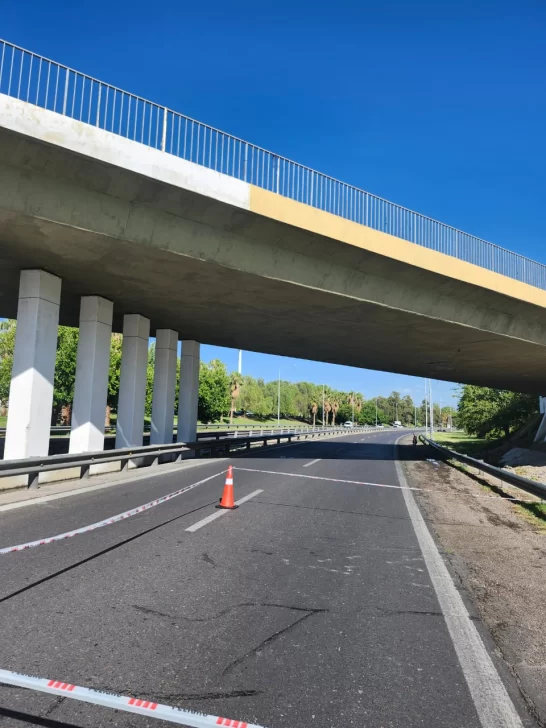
x=214, y=516
x=307, y=465
x=493, y=704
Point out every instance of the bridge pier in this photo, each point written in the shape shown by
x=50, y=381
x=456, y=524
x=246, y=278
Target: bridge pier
x=189, y=391
x=31, y=387
x=166, y=344
x=92, y=366
x=132, y=385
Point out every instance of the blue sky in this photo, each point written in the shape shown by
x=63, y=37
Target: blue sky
x=437, y=106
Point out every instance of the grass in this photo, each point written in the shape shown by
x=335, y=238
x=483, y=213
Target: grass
x=3, y=421
x=463, y=443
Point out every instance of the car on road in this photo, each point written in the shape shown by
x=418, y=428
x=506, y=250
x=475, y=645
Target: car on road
x=348, y=424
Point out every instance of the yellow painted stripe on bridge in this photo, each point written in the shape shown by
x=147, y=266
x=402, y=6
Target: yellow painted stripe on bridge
x=325, y=224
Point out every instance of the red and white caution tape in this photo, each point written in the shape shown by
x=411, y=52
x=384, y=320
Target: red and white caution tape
x=106, y=521
x=121, y=702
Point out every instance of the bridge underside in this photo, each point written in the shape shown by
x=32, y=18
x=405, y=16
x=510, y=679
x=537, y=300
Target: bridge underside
x=232, y=277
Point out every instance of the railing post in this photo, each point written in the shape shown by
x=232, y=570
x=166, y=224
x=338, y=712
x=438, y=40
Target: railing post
x=245, y=164
x=98, y=104
x=278, y=174
x=164, y=132
x=65, y=91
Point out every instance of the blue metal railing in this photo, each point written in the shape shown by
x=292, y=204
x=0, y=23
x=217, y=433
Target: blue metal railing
x=37, y=80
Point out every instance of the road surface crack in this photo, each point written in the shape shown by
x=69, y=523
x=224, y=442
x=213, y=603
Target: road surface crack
x=270, y=639
x=392, y=612
x=332, y=510
x=59, y=700
x=208, y=560
x=154, y=612
x=227, y=610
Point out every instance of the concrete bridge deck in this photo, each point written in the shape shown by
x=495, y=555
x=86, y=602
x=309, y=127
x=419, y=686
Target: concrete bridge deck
x=231, y=264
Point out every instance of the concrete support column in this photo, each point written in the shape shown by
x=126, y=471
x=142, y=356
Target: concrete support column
x=132, y=384
x=189, y=391
x=166, y=344
x=92, y=365
x=31, y=389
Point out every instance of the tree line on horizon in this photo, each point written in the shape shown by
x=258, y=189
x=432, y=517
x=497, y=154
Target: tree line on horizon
x=482, y=411
x=221, y=394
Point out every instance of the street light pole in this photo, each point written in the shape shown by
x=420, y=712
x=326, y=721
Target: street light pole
x=376, y=411
x=431, y=407
x=279, y=401
x=426, y=409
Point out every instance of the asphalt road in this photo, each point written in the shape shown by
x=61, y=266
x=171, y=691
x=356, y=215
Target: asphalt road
x=309, y=605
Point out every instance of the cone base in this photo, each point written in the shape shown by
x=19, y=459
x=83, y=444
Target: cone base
x=227, y=508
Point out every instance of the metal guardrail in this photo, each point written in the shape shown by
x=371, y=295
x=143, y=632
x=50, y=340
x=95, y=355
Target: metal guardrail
x=42, y=82
x=203, y=431
x=151, y=454
x=530, y=486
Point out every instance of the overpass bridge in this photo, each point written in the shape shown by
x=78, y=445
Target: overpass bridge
x=117, y=213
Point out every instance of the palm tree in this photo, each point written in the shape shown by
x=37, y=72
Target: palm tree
x=313, y=407
x=358, y=406
x=335, y=408
x=351, y=401
x=235, y=391
x=327, y=410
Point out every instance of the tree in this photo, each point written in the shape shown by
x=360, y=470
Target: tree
x=327, y=409
x=449, y=417
x=214, y=391
x=65, y=374
x=488, y=412
x=313, y=408
x=253, y=398
x=334, y=402
x=7, y=346
x=150, y=382
x=114, y=372
x=235, y=391
x=394, y=404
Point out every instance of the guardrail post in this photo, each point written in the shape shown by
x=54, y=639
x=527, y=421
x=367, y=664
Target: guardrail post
x=33, y=480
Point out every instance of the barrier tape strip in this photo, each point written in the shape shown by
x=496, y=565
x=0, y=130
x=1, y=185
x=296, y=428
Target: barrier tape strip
x=121, y=702
x=106, y=521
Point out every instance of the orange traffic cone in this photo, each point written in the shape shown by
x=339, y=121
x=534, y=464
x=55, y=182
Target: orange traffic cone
x=227, y=498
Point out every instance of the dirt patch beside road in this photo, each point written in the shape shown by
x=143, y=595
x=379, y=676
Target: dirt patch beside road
x=499, y=552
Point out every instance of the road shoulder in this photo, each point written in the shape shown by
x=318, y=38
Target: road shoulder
x=498, y=552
